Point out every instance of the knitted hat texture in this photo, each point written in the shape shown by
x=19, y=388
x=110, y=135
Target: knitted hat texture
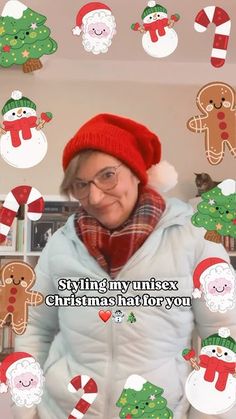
x=127, y=140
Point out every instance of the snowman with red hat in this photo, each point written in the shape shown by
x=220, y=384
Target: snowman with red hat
x=22, y=143
x=23, y=376
x=96, y=22
x=159, y=38
x=215, y=279
x=211, y=387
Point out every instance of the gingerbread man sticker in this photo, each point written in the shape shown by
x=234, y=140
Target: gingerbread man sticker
x=217, y=102
x=16, y=280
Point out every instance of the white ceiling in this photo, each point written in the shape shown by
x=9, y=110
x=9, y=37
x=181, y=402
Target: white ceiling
x=126, y=58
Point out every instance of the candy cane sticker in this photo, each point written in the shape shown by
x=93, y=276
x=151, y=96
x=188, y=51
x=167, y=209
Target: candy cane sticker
x=90, y=393
x=218, y=16
x=18, y=196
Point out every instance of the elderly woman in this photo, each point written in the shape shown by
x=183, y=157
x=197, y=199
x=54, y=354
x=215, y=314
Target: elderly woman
x=123, y=230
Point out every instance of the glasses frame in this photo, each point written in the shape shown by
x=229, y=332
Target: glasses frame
x=94, y=181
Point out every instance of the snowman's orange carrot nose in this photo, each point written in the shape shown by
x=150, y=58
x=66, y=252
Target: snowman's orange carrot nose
x=19, y=111
x=219, y=350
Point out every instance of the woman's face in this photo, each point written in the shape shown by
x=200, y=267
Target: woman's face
x=111, y=208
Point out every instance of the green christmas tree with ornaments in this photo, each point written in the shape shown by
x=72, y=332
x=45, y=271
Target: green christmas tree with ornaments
x=24, y=38
x=142, y=399
x=217, y=212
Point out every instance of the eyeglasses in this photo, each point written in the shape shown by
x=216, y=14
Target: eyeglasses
x=105, y=180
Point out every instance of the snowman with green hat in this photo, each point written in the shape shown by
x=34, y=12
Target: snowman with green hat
x=159, y=38
x=22, y=143
x=211, y=387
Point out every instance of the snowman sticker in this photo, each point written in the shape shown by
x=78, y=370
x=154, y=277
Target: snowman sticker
x=159, y=38
x=211, y=387
x=22, y=141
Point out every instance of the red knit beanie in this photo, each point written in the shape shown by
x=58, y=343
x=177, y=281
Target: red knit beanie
x=127, y=140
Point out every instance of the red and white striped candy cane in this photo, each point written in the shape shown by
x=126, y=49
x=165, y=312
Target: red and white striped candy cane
x=90, y=393
x=18, y=196
x=218, y=16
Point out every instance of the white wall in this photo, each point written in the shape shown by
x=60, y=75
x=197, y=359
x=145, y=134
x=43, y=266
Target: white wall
x=163, y=108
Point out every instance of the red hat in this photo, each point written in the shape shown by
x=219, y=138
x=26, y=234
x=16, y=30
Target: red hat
x=202, y=270
x=85, y=11
x=129, y=141
x=8, y=364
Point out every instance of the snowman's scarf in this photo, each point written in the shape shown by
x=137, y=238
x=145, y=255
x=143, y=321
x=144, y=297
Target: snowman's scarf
x=156, y=27
x=214, y=365
x=22, y=124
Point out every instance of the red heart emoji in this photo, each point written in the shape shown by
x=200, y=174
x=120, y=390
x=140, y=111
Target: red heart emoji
x=104, y=315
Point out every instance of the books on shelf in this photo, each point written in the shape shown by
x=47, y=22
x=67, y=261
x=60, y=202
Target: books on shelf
x=7, y=340
x=9, y=245
x=27, y=236
x=54, y=216
x=229, y=243
x=20, y=235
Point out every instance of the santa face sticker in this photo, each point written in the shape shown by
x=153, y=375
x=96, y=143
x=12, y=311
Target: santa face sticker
x=98, y=25
x=211, y=387
x=159, y=38
x=141, y=398
x=216, y=280
x=23, y=37
x=22, y=143
x=218, y=122
x=217, y=211
x=22, y=375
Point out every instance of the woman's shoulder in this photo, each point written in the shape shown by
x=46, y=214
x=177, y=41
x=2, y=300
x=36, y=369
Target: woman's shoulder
x=177, y=212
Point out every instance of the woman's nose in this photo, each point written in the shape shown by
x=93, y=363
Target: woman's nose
x=95, y=194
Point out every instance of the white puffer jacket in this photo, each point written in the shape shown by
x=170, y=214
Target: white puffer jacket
x=69, y=341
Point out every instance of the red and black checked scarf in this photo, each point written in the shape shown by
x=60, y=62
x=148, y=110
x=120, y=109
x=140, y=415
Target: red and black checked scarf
x=113, y=248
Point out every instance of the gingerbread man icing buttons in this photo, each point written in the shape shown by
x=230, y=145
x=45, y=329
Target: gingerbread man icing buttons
x=217, y=102
x=17, y=278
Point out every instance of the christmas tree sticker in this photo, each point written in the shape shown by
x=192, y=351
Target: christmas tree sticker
x=131, y=318
x=141, y=399
x=217, y=212
x=24, y=38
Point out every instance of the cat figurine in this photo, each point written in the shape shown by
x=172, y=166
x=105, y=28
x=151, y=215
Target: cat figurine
x=204, y=183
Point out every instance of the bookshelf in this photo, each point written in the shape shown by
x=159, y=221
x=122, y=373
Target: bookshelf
x=26, y=241
x=57, y=210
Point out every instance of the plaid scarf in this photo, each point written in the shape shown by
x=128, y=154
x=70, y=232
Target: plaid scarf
x=113, y=248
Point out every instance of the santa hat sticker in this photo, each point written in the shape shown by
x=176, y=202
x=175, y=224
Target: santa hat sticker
x=159, y=39
x=97, y=25
x=214, y=278
x=22, y=375
x=23, y=143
